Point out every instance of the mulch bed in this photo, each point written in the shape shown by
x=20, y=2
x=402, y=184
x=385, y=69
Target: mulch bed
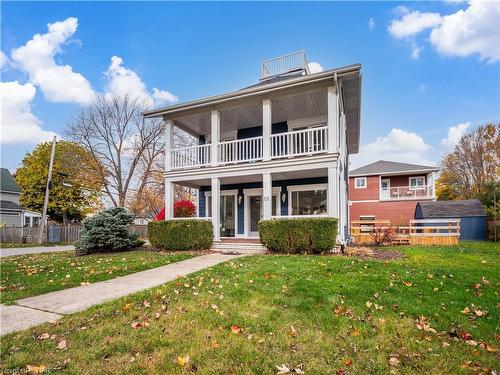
x=372, y=253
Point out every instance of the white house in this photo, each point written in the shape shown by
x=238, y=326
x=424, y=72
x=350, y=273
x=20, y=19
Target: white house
x=277, y=149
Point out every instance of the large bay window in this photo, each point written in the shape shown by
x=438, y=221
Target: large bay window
x=307, y=200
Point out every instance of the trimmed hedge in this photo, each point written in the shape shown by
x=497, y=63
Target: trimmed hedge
x=297, y=235
x=181, y=234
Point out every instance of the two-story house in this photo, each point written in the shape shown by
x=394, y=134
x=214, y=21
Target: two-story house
x=387, y=190
x=277, y=149
x=11, y=212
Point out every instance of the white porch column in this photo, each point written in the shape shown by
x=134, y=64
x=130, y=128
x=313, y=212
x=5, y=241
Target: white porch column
x=216, y=207
x=169, y=144
x=169, y=199
x=333, y=119
x=332, y=194
x=267, y=195
x=266, y=129
x=215, y=136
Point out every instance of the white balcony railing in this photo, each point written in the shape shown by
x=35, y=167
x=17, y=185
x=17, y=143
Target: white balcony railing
x=290, y=144
x=302, y=142
x=240, y=150
x=191, y=157
x=284, y=64
x=407, y=192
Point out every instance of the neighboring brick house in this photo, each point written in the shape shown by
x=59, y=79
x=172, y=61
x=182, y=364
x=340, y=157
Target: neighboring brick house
x=387, y=190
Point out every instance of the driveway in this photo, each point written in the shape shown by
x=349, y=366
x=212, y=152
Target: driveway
x=33, y=250
x=32, y=311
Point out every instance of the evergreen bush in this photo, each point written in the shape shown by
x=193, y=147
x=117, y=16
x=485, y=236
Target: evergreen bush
x=187, y=234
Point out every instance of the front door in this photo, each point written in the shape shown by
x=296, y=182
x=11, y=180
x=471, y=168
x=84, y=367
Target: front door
x=255, y=203
x=227, y=216
x=385, y=188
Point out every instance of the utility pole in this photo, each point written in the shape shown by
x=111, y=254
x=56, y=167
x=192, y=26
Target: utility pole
x=41, y=237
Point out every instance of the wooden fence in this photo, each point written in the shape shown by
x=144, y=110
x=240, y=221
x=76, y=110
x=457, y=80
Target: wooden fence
x=418, y=232
x=55, y=233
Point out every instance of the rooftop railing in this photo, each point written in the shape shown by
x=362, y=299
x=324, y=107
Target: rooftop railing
x=284, y=64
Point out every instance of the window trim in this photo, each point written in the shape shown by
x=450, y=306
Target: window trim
x=309, y=122
x=416, y=187
x=356, y=182
x=307, y=187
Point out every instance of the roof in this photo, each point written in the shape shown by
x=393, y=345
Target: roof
x=448, y=209
x=7, y=182
x=384, y=167
x=349, y=76
x=8, y=205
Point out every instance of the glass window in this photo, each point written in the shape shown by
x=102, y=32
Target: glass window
x=309, y=202
x=417, y=182
x=27, y=221
x=360, y=182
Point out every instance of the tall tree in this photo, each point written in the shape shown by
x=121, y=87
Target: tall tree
x=76, y=188
x=473, y=164
x=127, y=146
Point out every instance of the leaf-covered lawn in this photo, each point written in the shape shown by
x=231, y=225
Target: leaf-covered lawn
x=28, y=275
x=434, y=311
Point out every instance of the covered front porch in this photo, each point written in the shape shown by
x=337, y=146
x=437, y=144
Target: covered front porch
x=236, y=204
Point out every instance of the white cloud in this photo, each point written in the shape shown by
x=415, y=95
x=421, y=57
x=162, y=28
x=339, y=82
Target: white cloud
x=59, y=83
x=475, y=30
x=413, y=23
x=19, y=125
x=315, y=67
x=469, y=31
x=454, y=135
x=4, y=60
x=371, y=23
x=422, y=88
x=124, y=81
x=398, y=145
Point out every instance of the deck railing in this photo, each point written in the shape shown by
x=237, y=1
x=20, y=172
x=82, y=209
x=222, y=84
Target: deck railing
x=289, y=144
x=240, y=150
x=284, y=64
x=191, y=157
x=407, y=192
x=302, y=142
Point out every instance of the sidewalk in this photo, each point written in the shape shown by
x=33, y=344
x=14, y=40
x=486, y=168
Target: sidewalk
x=51, y=306
x=33, y=250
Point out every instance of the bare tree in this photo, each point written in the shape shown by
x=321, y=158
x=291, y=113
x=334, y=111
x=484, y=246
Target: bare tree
x=472, y=165
x=127, y=146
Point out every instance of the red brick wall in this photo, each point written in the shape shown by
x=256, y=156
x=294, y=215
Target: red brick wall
x=372, y=190
x=399, y=213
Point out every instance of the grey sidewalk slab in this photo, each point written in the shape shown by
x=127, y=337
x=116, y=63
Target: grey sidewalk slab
x=15, y=318
x=82, y=297
x=33, y=250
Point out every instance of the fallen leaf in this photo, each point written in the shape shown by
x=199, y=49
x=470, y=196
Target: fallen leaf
x=393, y=361
x=36, y=369
x=183, y=360
x=235, y=329
x=282, y=369
x=356, y=332
x=146, y=303
x=347, y=362
x=471, y=342
x=408, y=283
x=294, y=332
x=43, y=336
x=466, y=310
x=479, y=312
x=126, y=307
x=136, y=325
x=62, y=345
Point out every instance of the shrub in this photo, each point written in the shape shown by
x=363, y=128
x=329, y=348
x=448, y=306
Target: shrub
x=107, y=232
x=383, y=235
x=161, y=215
x=181, y=234
x=184, y=208
x=297, y=235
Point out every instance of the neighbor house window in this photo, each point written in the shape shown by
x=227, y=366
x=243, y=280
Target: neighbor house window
x=417, y=182
x=368, y=227
x=308, y=201
x=27, y=221
x=360, y=182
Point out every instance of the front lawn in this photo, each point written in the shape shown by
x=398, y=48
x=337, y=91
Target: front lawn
x=29, y=275
x=10, y=245
x=433, y=311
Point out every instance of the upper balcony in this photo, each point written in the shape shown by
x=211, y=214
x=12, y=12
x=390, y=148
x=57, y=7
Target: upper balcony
x=407, y=193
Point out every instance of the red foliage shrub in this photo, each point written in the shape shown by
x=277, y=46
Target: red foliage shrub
x=161, y=215
x=184, y=208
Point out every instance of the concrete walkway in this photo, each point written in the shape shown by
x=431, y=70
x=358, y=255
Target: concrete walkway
x=51, y=306
x=33, y=250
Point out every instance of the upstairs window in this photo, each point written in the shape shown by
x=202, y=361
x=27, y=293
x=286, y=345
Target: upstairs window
x=417, y=183
x=360, y=182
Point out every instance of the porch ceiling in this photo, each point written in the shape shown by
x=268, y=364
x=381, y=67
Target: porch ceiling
x=284, y=108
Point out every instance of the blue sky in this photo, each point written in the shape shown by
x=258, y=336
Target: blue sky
x=425, y=81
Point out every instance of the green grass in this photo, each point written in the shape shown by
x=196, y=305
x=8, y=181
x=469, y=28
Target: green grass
x=29, y=275
x=324, y=299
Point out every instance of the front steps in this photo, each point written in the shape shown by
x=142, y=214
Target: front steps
x=238, y=245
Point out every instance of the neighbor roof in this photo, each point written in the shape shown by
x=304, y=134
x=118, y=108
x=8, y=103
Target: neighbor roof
x=7, y=182
x=8, y=205
x=383, y=167
x=449, y=209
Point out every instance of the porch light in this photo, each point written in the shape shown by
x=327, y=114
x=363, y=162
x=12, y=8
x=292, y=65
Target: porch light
x=240, y=198
x=283, y=197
